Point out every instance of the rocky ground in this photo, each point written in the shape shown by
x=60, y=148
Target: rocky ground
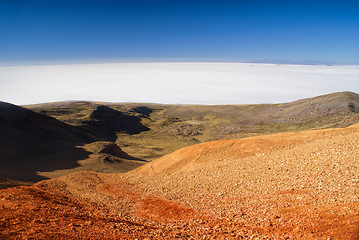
x=282, y=186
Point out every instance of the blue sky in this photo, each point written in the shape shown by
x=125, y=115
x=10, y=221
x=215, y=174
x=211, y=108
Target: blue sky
x=183, y=30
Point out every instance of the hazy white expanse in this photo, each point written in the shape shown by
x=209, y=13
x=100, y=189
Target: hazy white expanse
x=186, y=83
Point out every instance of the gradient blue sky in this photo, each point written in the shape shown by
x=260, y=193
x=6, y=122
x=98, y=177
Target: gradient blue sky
x=184, y=30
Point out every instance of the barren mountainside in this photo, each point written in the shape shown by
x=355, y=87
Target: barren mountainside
x=299, y=185
x=26, y=136
x=50, y=140
x=171, y=127
x=33, y=144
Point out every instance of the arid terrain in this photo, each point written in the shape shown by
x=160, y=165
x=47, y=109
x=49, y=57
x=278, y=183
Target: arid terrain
x=146, y=171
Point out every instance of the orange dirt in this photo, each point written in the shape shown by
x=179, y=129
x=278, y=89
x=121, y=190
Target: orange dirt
x=283, y=186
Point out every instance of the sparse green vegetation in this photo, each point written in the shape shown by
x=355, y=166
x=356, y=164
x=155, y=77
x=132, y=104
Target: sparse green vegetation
x=175, y=126
x=73, y=134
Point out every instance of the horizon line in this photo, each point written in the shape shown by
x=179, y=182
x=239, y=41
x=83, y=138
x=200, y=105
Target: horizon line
x=182, y=104
x=144, y=60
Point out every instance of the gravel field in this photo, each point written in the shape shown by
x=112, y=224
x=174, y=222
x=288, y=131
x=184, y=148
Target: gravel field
x=301, y=185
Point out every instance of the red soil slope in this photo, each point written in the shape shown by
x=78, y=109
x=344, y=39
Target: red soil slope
x=283, y=186
x=188, y=158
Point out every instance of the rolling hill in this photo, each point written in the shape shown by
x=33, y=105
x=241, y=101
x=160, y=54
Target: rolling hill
x=54, y=139
x=171, y=127
x=26, y=137
x=34, y=146
x=298, y=185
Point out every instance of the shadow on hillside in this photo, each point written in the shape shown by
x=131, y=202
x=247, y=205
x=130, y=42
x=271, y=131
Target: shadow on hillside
x=104, y=122
x=42, y=158
x=32, y=143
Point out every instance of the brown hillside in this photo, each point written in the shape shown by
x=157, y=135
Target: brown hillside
x=27, y=137
x=342, y=102
x=188, y=158
x=34, y=146
x=304, y=184
x=171, y=127
x=281, y=186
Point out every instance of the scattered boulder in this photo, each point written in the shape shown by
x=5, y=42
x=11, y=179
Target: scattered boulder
x=354, y=107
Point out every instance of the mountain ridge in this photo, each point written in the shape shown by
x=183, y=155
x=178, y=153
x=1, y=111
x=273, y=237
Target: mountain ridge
x=64, y=140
